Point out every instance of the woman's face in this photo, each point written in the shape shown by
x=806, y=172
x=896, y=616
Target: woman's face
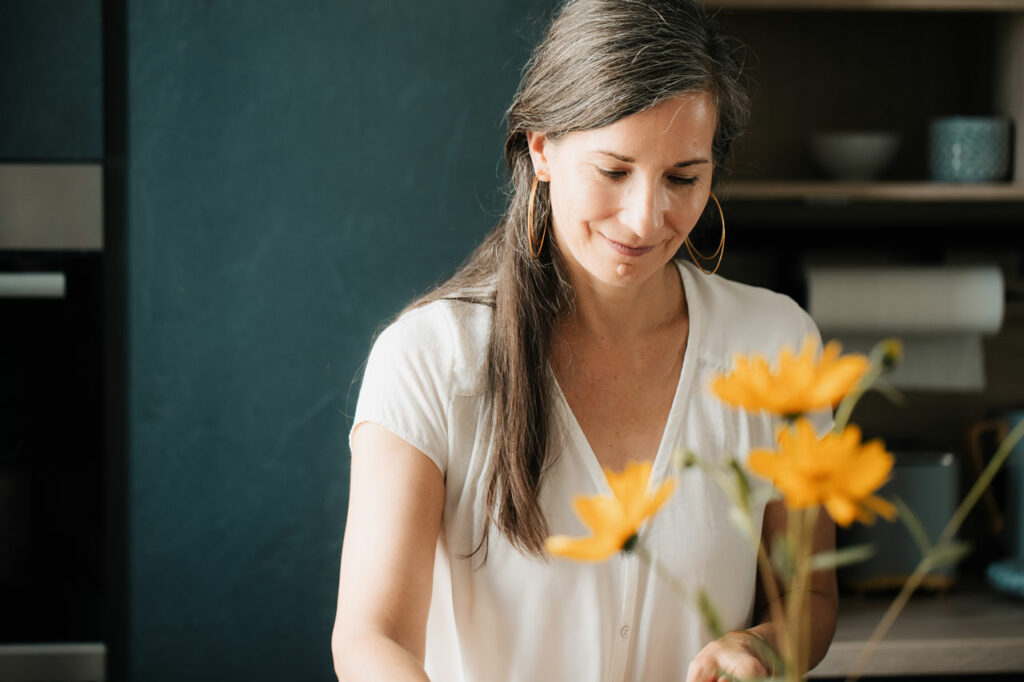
x=624, y=197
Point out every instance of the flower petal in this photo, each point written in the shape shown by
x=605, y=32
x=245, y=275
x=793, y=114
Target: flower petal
x=799, y=383
x=598, y=513
x=841, y=510
x=764, y=463
x=582, y=549
x=881, y=507
x=631, y=482
x=652, y=503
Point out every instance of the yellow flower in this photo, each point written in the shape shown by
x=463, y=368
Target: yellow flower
x=612, y=520
x=836, y=471
x=798, y=385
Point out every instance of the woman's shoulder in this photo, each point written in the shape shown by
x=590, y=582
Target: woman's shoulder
x=742, y=318
x=451, y=333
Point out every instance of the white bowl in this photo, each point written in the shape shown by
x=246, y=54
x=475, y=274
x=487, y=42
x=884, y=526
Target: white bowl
x=854, y=155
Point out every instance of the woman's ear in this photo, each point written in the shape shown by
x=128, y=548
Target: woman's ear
x=537, y=143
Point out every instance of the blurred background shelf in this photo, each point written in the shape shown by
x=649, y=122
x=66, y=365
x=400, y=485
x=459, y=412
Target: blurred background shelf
x=874, y=5
x=871, y=191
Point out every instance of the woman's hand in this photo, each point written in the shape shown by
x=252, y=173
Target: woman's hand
x=736, y=654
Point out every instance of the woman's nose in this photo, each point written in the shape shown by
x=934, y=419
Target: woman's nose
x=645, y=207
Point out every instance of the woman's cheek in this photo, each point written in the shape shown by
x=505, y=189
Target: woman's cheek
x=598, y=202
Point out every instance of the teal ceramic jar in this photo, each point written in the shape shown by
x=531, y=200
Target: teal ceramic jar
x=969, y=149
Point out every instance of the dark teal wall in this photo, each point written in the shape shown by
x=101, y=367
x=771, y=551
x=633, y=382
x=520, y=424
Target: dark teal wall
x=50, y=71
x=297, y=172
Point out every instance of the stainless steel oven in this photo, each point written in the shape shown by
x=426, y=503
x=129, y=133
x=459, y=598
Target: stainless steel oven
x=53, y=588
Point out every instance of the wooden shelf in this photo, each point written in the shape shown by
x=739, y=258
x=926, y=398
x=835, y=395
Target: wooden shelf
x=841, y=192
x=874, y=5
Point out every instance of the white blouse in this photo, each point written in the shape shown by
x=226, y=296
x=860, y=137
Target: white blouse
x=522, y=618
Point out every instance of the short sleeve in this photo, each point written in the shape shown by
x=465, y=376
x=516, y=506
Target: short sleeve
x=407, y=384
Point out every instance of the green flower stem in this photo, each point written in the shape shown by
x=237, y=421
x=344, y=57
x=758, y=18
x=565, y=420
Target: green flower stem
x=850, y=400
x=794, y=523
x=807, y=544
x=799, y=532
x=959, y=516
x=673, y=582
x=889, y=618
x=739, y=496
x=778, y=662
x=878, y=367
x=976, y=491
x=771, y=590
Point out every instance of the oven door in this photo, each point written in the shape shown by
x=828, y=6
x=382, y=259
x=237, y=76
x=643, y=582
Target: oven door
x=51, y=454
x=52, y=512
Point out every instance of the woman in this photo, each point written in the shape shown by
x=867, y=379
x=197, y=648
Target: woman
x=571, y=341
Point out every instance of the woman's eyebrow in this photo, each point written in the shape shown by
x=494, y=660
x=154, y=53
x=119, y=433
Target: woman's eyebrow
x=620, y=157
x=628, y=159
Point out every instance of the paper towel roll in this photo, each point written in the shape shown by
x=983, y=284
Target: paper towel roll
x=897, y=300
x=940, y=315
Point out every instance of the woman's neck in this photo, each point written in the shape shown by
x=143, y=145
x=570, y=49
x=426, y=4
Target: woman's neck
x=620, y=315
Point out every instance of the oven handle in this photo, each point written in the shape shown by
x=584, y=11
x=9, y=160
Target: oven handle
x=32, y=285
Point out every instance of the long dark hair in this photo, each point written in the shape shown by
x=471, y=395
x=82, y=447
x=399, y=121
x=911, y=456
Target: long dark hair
x=600, y=61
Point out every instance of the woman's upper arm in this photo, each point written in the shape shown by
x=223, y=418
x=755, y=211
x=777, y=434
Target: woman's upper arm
x=396, y=501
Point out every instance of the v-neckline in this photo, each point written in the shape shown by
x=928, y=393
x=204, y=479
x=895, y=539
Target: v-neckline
x=663, y=456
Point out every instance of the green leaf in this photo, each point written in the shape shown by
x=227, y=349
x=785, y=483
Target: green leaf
x=914, y=525
x=842, y=557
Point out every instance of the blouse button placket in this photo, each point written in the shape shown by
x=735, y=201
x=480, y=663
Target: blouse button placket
x=624, y=629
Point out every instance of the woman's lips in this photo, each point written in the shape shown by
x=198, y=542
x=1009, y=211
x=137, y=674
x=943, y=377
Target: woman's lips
x=631, y=251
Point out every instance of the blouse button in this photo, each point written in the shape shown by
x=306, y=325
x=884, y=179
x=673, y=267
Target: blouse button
x=624, y=632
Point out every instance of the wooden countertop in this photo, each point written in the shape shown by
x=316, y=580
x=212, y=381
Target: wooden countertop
x=973, y=631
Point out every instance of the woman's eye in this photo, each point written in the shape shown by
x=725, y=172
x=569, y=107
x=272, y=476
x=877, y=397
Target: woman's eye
x=682, y=180
x=674, y=179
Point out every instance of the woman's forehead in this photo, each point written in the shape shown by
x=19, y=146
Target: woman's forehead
x=684, y=124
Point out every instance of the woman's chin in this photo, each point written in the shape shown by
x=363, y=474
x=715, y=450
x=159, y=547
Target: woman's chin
x=625, y=273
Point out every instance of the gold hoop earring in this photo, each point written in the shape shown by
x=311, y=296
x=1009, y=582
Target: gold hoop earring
x=529, y=221
x=719, y=252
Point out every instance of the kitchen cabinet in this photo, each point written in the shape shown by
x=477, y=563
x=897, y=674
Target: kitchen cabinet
x=873, y=5
x=59, y=526
x=882, y=65
x=885, y=65
x=889, y=65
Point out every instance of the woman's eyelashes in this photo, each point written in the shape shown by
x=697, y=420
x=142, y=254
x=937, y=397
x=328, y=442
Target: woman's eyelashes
x=673, y=179
x=683, y=179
